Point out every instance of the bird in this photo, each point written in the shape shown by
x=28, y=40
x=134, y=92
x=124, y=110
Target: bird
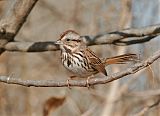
x=81, y=61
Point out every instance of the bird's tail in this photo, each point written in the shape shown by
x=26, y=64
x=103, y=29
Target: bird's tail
x=121, y=59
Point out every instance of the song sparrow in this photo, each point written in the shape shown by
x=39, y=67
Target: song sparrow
x=81, y=61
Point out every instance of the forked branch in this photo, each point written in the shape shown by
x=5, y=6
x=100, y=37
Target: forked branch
x=13, y=18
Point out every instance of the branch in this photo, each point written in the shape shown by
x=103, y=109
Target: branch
x=127, y=36
x=82, y=83
x=123, y=37
x=147, y=108
x=14, y=17
x=148, y=93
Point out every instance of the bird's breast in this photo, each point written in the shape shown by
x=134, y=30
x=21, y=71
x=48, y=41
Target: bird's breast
x=77, y=64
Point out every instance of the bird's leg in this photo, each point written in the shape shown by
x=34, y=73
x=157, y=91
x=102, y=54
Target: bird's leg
x=87, y=81
x=71, y=77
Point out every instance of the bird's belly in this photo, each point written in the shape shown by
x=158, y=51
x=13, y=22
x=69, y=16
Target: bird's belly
x=78, y=67
x=78, y=70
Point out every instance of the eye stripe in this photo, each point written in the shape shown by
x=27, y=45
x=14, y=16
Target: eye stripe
x=76, y=40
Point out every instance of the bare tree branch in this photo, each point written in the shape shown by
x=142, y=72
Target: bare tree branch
x=147, y=108
x=31, y=46
x=148, y=93
x=124, y=37
x=127, y=36
x=14, y=17
x=82, y=83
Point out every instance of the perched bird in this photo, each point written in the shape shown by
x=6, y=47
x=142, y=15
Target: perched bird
x=81, y=61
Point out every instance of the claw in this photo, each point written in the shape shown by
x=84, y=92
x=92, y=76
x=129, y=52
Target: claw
x=71, y=77
x=68, y=84
x=88, y=83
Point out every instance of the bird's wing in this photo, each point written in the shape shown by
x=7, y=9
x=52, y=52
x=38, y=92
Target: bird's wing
x=94, y=61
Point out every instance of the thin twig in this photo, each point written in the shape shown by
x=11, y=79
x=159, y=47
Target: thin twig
x=145, y=109
x=123, y=37
x=82, y=83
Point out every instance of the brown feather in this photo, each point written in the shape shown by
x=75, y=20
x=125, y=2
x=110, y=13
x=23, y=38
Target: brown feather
x=95, y=62
x=121, y=59
x=66, y=32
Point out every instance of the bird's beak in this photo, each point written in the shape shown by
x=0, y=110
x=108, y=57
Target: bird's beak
x=58, y=42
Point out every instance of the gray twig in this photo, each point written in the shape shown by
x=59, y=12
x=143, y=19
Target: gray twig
x=123, y=37
x=82, y=83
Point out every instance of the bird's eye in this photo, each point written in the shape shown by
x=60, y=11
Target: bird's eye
x=67, y=39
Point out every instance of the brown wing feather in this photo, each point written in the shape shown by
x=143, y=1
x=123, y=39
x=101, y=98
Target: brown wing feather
x=121, y=59
x=95, y=62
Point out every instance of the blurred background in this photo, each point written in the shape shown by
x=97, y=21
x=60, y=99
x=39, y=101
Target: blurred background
x=48, y=19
